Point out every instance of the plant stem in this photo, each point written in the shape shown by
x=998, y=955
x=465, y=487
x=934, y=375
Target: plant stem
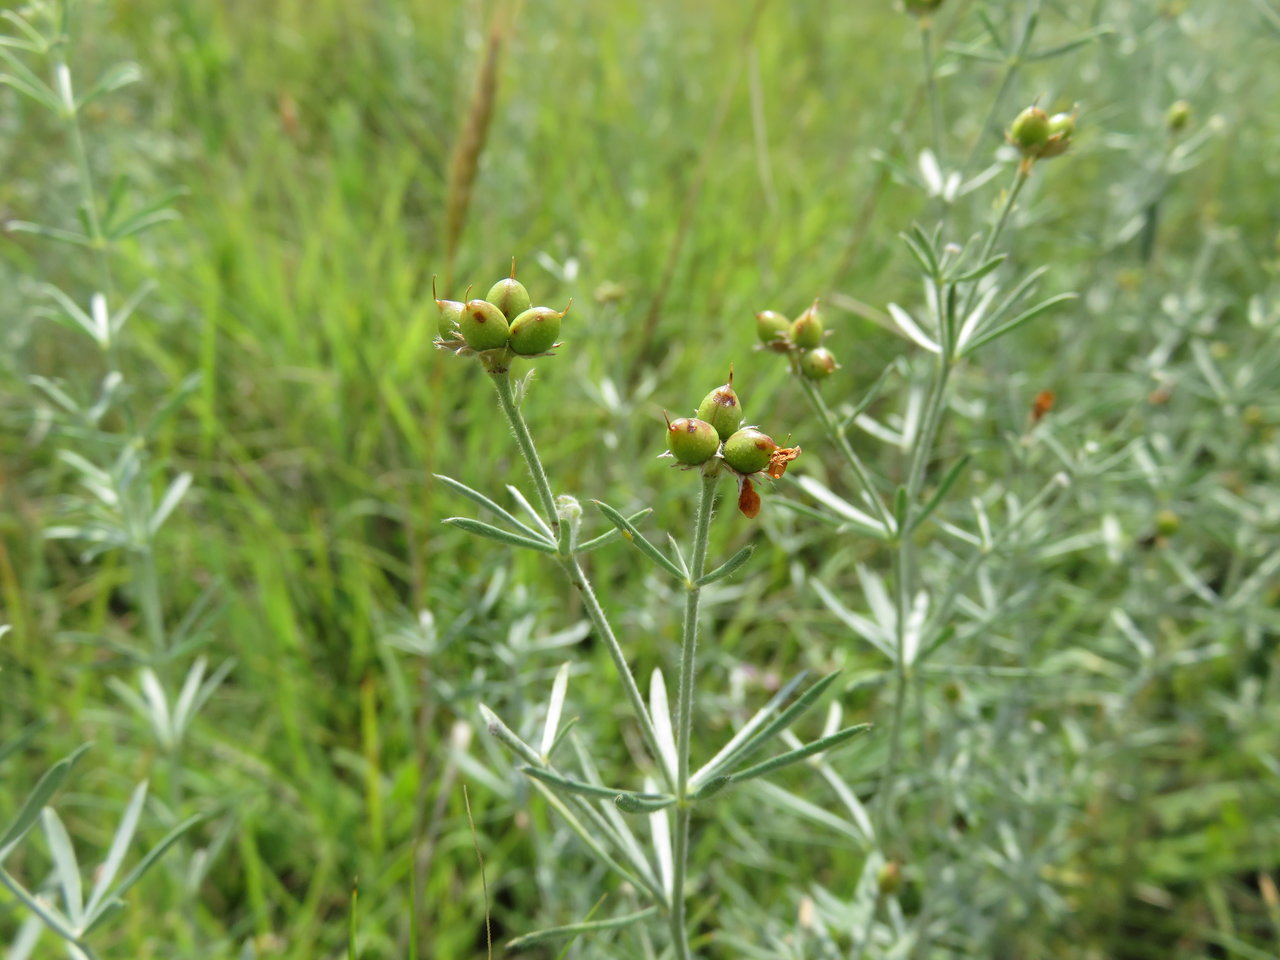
x=837, y=435
x=684, y=710
x=502, y=383
x=931, y=86
x=569, y=562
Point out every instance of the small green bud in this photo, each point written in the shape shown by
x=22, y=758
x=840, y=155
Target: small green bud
x=692, y=442
x=450, y=314
x=773, y=329
x=721, y=409
x=509, y=296
x=535, y=330
x=806, y=332
x=889, y=878
x=1167, y=523
x=749, y=450
x=483, y=325
x=818, y=364
x=1029, y=131
x=1177, y=116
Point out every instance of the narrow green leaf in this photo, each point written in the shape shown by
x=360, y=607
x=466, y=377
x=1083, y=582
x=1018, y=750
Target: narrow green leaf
x=783, y=720
x=802, y=753
x=642, y=803
x=980, y=271
x=555, y=705
x=154, y=854
x=553, y=779
x=505, y=735
x=477, y=497
x=54, y=920
x=940, y=494
x=613, y=534
x=758, y=720
x=120, y=75
x=65, y=865
x=574, y=929
x=39, y=796
x=49, y=233
x=1015, y=323
x=481, y=529
x=115, y=856
x=630, y=533
x=712, y=787
x=728, y=567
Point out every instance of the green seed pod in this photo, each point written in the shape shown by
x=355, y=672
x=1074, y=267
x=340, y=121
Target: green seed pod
x=1177, y=116
x=509, y=296
x=773, y=329
x=818, y=364
x=483, y=325
x=1167, y=523
x=806, y=332
x=721, y=409
x=749, y=450
x=1030, y=131
x=1062, y=127
x=535, y=330
x=691, y=441
x=450, y=314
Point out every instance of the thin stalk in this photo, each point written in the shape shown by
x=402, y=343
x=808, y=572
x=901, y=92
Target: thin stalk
x=684, y=710
x=837, y=435
x=1020, y=178
x=931, y=85
x=573, y=568
x=502, y=383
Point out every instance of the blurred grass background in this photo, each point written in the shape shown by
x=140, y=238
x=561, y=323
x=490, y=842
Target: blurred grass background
x=314, y=141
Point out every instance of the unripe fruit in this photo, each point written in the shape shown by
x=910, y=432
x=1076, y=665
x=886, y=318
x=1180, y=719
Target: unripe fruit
x=1062, y=127
x=773, y=328
x=721, y=409
x=483, y=325
x=1030, y=131
x=806, y=332
x=450, y=314
x=818, y=364
x=749, y=450
x=535, y=330
x=1167, y=523
x=509, y=296
x=691, y=441
x=1177, y=116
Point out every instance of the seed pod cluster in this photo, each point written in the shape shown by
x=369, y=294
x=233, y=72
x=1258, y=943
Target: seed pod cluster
x=716, y=436
x=502, y=325
x=801, y=338
x=1039, y=136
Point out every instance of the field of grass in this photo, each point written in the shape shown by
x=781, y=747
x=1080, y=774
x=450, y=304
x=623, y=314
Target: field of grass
x=1085, y=765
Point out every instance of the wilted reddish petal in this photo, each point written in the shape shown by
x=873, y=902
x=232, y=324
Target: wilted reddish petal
x=748, y=499
x=779, y=459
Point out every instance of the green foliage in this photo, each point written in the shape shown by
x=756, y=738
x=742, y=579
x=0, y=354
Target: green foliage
x=226, y=565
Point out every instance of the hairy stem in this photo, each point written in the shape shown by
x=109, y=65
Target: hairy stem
x=684, y=710
x=569, y=562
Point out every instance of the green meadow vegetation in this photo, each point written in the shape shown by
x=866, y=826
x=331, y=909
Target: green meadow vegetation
x=342, y=614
